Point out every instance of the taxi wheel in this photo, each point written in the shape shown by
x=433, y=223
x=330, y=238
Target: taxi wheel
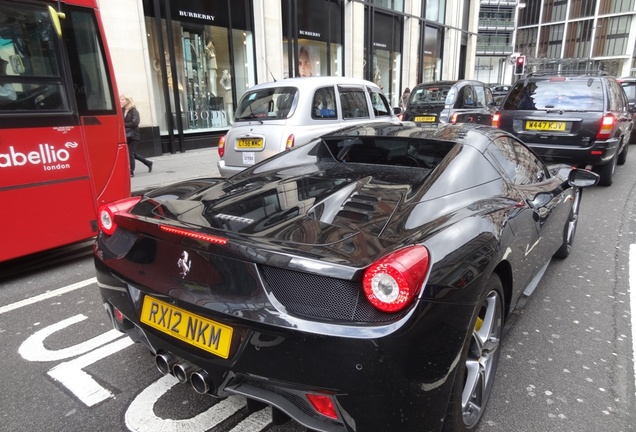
x=476, y=373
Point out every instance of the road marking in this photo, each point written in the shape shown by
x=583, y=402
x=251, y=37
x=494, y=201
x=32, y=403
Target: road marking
x=80, y=383
x=47, y=295
x=632, y=299
x=32, y=349
x=140, y=415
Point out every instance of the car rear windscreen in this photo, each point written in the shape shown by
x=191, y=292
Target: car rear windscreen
x=556, y=94
x=429, y=95
x=267, y=104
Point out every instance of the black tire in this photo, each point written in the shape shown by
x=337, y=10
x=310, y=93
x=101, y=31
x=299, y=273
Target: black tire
x=480, y=356
x=569, y=230
x=622, y=156
x=606, y=172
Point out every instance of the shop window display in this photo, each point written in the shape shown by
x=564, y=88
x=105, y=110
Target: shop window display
x=205, y=77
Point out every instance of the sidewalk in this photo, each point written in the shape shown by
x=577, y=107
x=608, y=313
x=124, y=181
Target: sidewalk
x=171, y=168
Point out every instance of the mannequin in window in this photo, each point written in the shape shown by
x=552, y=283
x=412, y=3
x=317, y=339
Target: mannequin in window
x=210, y=52
x=305, y=66
x=226, y=83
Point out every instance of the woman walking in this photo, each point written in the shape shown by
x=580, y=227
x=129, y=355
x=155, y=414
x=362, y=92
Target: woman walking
x=131, y=121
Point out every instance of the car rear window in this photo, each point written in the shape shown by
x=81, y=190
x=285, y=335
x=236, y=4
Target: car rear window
x=557, y=94
x=267, y=104
x=429, y=95
x=630, y=90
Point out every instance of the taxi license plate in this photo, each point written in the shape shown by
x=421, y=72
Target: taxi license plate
x=190, y=328
x=249, y=143
x=545, y=126
x=425, y=119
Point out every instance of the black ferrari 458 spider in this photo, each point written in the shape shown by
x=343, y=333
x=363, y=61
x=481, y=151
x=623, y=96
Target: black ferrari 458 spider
x=360, y=282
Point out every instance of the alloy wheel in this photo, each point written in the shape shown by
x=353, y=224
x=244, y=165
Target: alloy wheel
x=481, y=362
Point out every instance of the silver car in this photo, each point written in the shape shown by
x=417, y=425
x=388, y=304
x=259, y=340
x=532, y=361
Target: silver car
x=276, y=116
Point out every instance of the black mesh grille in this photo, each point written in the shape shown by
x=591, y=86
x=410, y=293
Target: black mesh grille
x=362, y=217
x=322, y=297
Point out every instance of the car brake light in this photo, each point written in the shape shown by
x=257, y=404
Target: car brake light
x=495, y=119
x=106, y=213
x=453, y=118
x=193, y=234
x=221, y=147
x=290, y=142
x=323, y=404
x=392, y=282
x=607, y=127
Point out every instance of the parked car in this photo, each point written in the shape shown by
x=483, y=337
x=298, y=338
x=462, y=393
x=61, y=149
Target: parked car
x=583, y=120
x=499, y=91
x=361, y=279
x=463, y=101
x=277, y=116
x=629, y=85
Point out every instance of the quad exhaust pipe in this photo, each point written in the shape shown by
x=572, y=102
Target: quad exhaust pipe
x=185, y=371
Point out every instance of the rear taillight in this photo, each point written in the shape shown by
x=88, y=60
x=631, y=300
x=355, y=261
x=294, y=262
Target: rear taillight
x=323, y=404
x=221, y=147
x=607, y=127
x=290, y=142
x=392, y=283
x=453, y=118
x=495, y=119
x=106, y=213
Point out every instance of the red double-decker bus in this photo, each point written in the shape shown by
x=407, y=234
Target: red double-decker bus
x=62, y=142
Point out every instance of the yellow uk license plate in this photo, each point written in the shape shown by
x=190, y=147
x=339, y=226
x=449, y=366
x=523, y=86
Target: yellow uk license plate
x=190, y=328
x=425, y=119
x=249, y=143
x=545, y=126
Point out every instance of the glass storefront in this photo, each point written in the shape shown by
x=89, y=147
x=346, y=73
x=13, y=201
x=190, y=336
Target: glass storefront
x=432, y=64
x=312, y=37
x=386, y=54
x=214, y=62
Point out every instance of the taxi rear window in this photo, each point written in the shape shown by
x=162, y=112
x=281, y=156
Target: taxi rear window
x=267, y=104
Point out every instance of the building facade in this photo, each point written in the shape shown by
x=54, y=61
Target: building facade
x=495, y=40
x=578, y=35
x=186, y=63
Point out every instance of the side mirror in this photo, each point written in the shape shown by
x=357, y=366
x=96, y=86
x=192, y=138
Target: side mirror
x=582, y=178
x=397, y=110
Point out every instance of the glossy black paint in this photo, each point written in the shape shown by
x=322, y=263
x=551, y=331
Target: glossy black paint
x=302, y=227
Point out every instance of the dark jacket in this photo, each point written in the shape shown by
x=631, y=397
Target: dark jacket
x=131, y=121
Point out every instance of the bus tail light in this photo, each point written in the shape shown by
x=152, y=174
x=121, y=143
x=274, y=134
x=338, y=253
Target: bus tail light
x=290, y=142
x=221, y=147
x=607, y=127
x=495, y=119
x=106, y=213
x=392, y=282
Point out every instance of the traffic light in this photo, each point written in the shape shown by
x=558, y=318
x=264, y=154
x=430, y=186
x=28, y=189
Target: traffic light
x=520, y=65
